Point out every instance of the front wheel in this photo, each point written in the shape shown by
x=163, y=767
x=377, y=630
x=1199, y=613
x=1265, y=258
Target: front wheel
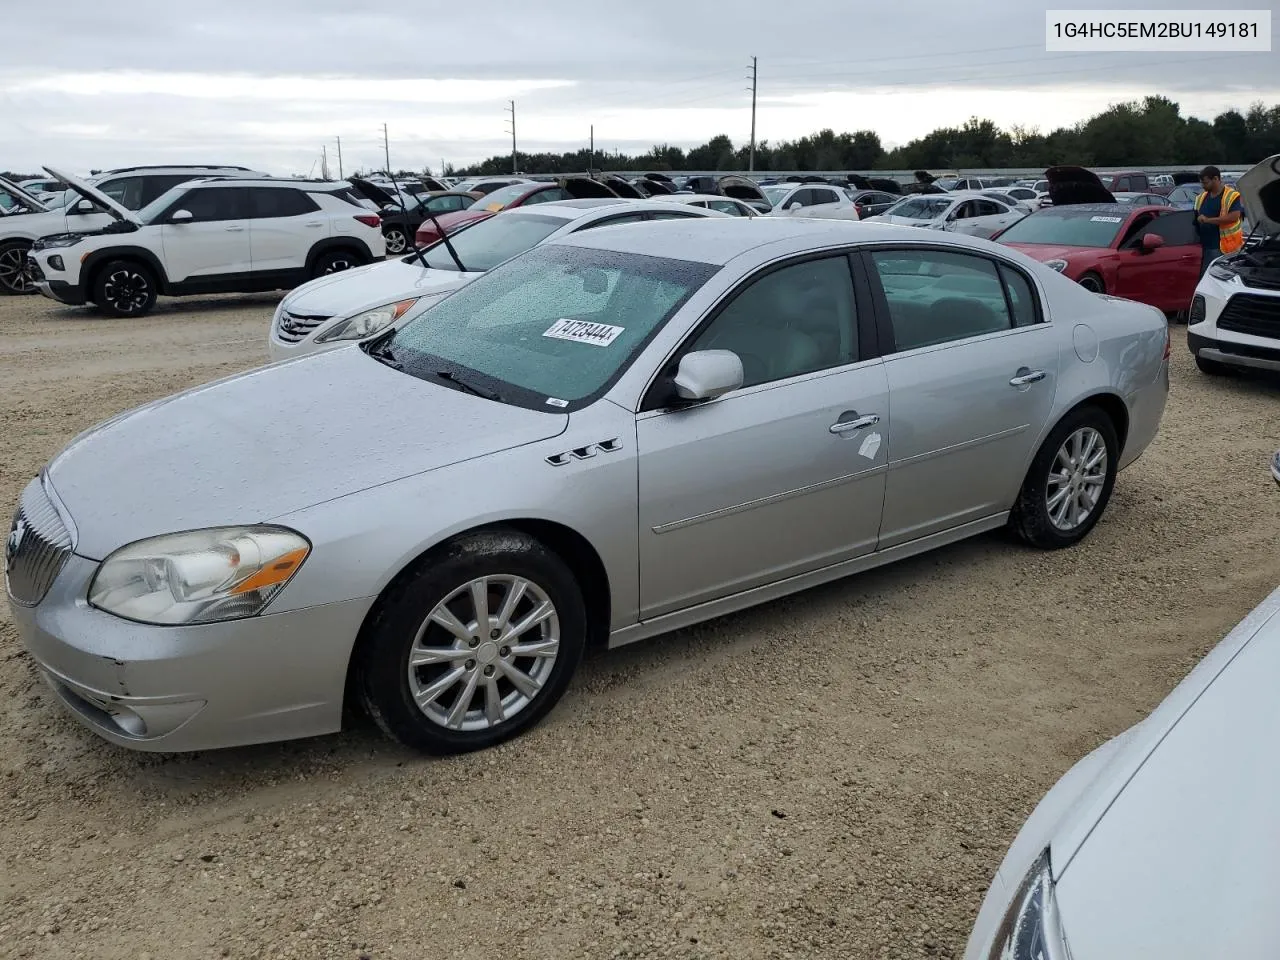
x=473, y=647
x=1070, y=481
x=125, y=289
x=14, y=279
x=333, y=262
x=1093, y=283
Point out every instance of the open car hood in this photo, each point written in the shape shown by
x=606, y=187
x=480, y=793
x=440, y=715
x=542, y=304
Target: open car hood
x=1068, y=185
x=371, y=191
x=96, y=196
x=740, y=188
x=621, y=188
x=1260, y=193
x=884, y=184
x=1185, y=176
x=28, y=202
x=434, y=185
x=656, y=188
x=584, y=188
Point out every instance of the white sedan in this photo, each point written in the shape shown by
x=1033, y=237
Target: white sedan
x=974, y=214
x=336, y=310
x=1161, y=843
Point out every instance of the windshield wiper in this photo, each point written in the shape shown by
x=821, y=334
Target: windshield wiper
x=436, y=223
x=381, y=351
x=467, y=385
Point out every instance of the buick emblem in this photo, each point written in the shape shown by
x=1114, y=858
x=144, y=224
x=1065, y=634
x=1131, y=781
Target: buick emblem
x=15, y=538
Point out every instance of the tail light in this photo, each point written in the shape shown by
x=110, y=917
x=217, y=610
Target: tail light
x=369, y=219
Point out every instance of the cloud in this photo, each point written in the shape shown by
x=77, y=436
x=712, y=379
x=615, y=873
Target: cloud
x=269, y=85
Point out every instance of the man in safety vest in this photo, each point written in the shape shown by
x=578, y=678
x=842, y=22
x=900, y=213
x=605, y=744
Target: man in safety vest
x=1219, y=213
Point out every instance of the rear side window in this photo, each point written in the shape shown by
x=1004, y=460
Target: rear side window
x=936, y=296
x=274, y=202
x=1022, y=299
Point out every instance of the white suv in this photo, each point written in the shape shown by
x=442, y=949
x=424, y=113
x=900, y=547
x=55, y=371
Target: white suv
x=215, y=235
x=1235, y=313
x=131, y=187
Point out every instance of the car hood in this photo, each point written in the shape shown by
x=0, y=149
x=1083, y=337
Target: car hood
x=1260, y=194
x=97, y=196
x=1070, y=184
x=265, y=443
x=1053, y=251
x=741, y=188
x=1183, y=860
x=373, y=192
x=341, y=294
x=28, y=200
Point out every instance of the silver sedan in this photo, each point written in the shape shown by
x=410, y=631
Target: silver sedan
x=615, y=434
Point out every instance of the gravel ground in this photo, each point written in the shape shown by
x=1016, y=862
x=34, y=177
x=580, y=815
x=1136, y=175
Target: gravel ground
x=832, y=775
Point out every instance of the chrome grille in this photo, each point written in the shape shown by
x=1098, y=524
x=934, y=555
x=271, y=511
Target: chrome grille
x=295, y=326
x=38, y=545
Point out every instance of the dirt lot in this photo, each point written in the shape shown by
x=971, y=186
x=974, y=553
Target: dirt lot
x=834, y=775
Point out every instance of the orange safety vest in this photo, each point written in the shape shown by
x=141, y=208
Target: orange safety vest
x=1231, y=236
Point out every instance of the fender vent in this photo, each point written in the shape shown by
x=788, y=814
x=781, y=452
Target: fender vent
x=585, y=453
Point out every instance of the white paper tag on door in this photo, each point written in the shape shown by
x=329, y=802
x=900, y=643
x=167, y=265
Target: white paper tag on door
x=870, y=446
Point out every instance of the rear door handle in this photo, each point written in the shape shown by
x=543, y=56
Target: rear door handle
x=315, y=223
x=1025, y=377
x=235, y=229
x=860, y=423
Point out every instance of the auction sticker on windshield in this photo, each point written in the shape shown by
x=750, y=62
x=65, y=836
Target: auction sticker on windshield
x=1106, y=219
x=584, y=331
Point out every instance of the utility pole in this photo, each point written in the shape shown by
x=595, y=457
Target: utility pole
x=340, y=176
x=751, y=162
x=591, y=163
x=512, y=110
x=386, y=148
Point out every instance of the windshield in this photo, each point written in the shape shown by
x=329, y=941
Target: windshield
x=1057, y=226
x=486, y=244
x=552, y=327
x=499, y=198
x=774, y=194
x=919, y=208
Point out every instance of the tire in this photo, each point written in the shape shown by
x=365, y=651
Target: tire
x=125, y=288
x=334, y=261
x=1034, y=517
x=1093, y=283
x=13, y=268
x=1212, y=367
x=494, y=709
x=397, y=240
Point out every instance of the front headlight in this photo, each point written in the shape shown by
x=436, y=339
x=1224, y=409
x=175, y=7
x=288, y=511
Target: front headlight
x=1059, y=265
x=1031, y=928
x=59, y=242
x=368, y=322
x=202, y=576
x=1223, y=270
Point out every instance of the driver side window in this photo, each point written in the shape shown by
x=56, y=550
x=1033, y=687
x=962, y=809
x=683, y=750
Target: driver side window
x=798, y=319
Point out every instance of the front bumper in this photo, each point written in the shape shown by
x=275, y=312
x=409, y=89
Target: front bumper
x=256, y=680
x=62, y=291
x=1233, y=353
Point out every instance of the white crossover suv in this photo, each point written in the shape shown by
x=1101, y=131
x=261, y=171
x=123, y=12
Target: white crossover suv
x=130, y=187
x=1235, y=314
x=214, y=235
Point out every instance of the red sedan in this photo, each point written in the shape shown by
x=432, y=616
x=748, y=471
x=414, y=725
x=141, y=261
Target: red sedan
x=505, y=198
x=1148, y=254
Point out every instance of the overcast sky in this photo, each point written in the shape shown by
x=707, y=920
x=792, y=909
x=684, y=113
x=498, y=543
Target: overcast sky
x=268, y=83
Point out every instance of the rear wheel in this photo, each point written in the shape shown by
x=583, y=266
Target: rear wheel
x=14, y=279
x=335, y=261
x=125, y=288
x=1070, y=481
x=1093, y=283
x=397, y=239
x=475, y=646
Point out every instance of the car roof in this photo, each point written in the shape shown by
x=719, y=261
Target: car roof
x=688, y=197
x=267, y=182
x=719, y=240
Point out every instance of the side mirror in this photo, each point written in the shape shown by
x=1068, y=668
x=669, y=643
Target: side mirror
x=84, y=206
x=793, y=206
x=180, y=216
x=707, y=374
x=1151, y=242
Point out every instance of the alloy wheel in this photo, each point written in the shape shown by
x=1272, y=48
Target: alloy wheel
x=1091, y=284
x=338, y=264
x=13, y=271
x=127, y=291
x=1076, y=479
x=396, y=241
x=484, y=653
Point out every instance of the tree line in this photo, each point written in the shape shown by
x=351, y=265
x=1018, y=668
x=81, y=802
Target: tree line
x=1139, y=133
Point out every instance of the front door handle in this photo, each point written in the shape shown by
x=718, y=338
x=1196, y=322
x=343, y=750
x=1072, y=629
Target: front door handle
x=315, y=223
x=1025, y=377
x=235, y=229
x=860, y=423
